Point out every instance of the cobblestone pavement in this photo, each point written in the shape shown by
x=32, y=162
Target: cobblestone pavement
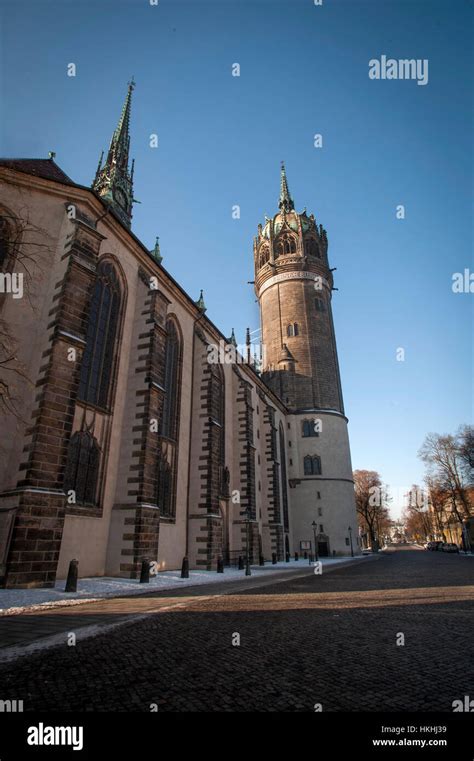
x=329, y=639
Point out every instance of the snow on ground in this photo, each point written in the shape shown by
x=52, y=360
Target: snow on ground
x=17, y=600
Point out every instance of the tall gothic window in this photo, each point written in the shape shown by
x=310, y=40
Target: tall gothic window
x=98, y=359
x=82, y=468
x=216, y=407
x=169, y=422
x=312, y=465
x=168, y=458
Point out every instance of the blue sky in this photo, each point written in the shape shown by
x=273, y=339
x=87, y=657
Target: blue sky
x=304, y=70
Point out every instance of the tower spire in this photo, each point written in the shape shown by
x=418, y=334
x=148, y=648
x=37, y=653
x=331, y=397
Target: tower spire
x=286, y=201
x=113, y=181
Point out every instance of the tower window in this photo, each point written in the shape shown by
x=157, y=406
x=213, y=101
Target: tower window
x=320, y=511
x=312, y=465
x=286, y=244
x=320, y=305
x=292, y=330
x=308, y=428
x=264, y=255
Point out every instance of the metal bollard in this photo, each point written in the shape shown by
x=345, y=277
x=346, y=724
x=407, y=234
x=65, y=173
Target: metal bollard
x=297, y=557
x=185, y=568
x=305, y=555
x=145, y=571
x=274, y=558
x=241, y=563
x=72, y=574
x=287, y=557
x=310, y=558
x=261, y=560
x=220, y=564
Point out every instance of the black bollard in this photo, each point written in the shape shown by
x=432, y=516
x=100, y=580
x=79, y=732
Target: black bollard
x=145, y=571
x=261, y=560
x=274, y=558
x=185, y=568
x=310, y=558
x=287, y=557
x=220, y=564
x=241, y=563
x=297, y=557
x=72, y=574
x=305, y=555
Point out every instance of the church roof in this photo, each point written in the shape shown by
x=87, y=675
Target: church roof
x=45, y=168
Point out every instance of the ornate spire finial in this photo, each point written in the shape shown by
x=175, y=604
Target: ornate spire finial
x=200, y=303
x=286, y=202
x=155, y=252
x=113, y=181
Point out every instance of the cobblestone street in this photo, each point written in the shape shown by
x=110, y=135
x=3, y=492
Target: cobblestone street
x=329, y=640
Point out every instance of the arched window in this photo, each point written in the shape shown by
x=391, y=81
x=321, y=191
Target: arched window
x=311, y=247
x=99, y=354
x=286, y=244
x=82, y=468
x=169, y=422
x=264, y=255
x=292, y=330
x=312, y=465
x=169, y=426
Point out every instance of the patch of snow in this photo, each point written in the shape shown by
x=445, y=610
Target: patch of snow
x=15, y=601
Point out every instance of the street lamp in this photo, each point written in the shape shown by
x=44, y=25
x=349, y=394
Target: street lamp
x=315, y=526
x=350, y=537
x=248, y=514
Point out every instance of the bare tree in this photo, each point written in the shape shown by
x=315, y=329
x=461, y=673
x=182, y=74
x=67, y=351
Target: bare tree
x=371, y=503
x=24, y=247
x=441, y=454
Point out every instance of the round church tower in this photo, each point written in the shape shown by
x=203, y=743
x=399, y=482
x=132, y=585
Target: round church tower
x=294, y=284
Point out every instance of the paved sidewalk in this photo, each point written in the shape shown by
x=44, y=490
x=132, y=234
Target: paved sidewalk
x=56, y=623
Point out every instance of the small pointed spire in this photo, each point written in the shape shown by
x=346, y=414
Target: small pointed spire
x=200, y=303
x=248, y=345
x=155, y=252
x=232, y=340
x=99, y=166
x=286, y=202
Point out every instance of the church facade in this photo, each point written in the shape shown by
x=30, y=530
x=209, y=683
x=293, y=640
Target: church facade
x=133, y=428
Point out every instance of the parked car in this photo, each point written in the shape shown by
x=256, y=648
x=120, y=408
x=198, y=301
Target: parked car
x=434, y=546
x=450, y=547
x=367, y=551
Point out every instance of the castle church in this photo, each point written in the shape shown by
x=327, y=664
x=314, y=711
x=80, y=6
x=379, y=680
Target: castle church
x=123, y=435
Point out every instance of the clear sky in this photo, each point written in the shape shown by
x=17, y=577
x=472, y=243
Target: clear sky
x=304, y=70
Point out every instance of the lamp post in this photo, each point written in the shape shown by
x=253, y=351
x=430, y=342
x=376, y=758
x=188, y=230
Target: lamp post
x=315, y=526
x=350, y=537
x=248, y=514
